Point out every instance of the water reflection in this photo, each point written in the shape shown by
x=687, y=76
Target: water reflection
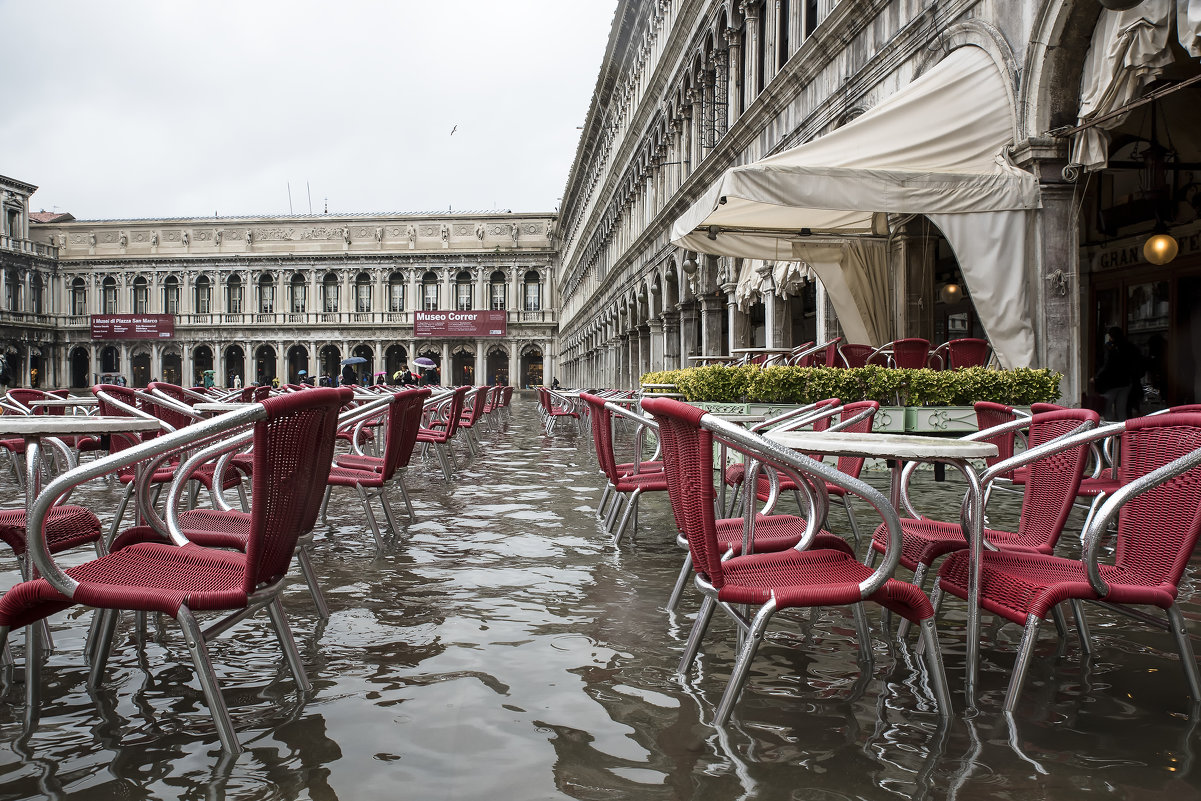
x=500, y=648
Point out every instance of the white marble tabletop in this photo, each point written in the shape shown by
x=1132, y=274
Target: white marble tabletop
x=882, y=445
x=83, y=400
x=45, y=425
x=221, y=406
x=710, y=358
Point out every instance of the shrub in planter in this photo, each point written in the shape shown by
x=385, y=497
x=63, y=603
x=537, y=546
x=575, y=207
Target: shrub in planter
x=889, y=387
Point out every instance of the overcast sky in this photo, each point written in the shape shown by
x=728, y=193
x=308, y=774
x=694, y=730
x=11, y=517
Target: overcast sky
x=131, y=109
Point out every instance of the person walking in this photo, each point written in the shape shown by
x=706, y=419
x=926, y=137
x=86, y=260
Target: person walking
x=237, y=382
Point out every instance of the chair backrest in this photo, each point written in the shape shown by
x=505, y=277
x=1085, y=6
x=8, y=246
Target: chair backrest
x=473, y=413
x=967, y=353
x=602, y=435
x=173, y=391
x=910, y=353
x=687, y=465
x=1052, y=482
x=24, y=396
x=404, y=420
x=507, y=396
x=455, y=410
x=853, y=465
x=293, y=449
x=1158, y=530
x=120, y=441
x=855, y=355
x=1043, y=408
x=991, y=415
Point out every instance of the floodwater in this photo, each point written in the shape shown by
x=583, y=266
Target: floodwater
x=501, y=648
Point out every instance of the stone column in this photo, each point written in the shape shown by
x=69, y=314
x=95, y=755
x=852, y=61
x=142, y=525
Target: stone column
x=740, y=334
x=750, y=13
x=734, y=82
x=481, y=362
x=671, y=341
x=1054, y=303
x=697, y=95
x=712, y=311
x=690, y=321
x=778, y=323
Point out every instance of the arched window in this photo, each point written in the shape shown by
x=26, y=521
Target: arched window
x=533, y=291
x=79, y=297
x=171, y=295
x=329, y=293
x=204, y=295
x=35, y=293
x=141, y=296
x=497, y=291
x=429, y=291
x=396, y=292
x=362, y=293
x=463, y=291
x=233, y=295
x=109, y=298
x=266, y=294
x=298, y=294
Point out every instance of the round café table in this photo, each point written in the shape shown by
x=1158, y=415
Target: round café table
x=900, y=448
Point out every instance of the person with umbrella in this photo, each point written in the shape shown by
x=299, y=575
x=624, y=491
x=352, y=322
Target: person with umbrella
x=348, y=376
x=429, y=369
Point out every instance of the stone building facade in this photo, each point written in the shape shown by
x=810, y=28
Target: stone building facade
x=690, y=88
x=260, y=298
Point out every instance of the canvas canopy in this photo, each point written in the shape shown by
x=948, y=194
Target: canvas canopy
x=935, y=147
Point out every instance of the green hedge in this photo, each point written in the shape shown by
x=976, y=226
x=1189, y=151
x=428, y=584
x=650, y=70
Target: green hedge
x=888, y=386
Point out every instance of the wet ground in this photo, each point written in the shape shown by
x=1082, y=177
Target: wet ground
x=501, y=648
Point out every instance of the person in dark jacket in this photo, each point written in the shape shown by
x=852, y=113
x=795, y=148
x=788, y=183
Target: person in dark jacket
x=1120, y=378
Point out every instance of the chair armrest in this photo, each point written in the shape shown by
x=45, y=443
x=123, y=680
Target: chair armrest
x=198, y=435
x=773, y=453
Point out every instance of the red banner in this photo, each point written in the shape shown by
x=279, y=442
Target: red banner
x=133, y=326
x=459, y=324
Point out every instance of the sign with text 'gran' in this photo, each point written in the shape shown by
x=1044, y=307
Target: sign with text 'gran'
x=133, y=326
x=459, y=324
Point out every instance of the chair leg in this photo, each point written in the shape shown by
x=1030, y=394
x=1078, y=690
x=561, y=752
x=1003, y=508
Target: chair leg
x=938, y=675
x=325, y=502
x=678, y=591
x=1086, y=643
x=846, y=502
x=120, y=514
x=631, y=507
x=743, y=664
x=242, y=499
x=379, y=542
x=919, y=578
x=600, y=506
x=33, y=676
x=697, y=634
x=404, y=494
x=103, y=645
x=1187, y=659
x=208, y=681
x=283, y=632
x=310, y=578
x=1061, y=626
x=1022, y=662
x=863, y=634
x=387, y=507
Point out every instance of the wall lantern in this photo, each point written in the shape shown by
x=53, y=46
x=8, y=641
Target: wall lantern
x=1119, y=5
x=689, y=267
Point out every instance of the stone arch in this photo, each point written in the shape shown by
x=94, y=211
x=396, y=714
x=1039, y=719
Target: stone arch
x=1049, y=95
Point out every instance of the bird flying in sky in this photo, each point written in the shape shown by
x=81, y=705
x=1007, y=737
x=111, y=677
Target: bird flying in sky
x=452, y=130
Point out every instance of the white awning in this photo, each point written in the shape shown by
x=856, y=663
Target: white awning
x=935, y=147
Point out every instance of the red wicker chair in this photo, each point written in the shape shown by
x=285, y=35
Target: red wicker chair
x=852, y=355
x=1046, y=503
x=629, y=479
x=1158, y=510
x=441, y=429
x=780, y=580
x=371, y=475
x=293, y=448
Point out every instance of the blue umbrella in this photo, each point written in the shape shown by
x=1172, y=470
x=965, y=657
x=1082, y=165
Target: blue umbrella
x=354, y=360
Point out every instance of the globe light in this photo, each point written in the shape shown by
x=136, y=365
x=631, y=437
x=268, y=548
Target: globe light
x=1119, y=5
x=1161, y=248
x=689, y=266
x=950, y=293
